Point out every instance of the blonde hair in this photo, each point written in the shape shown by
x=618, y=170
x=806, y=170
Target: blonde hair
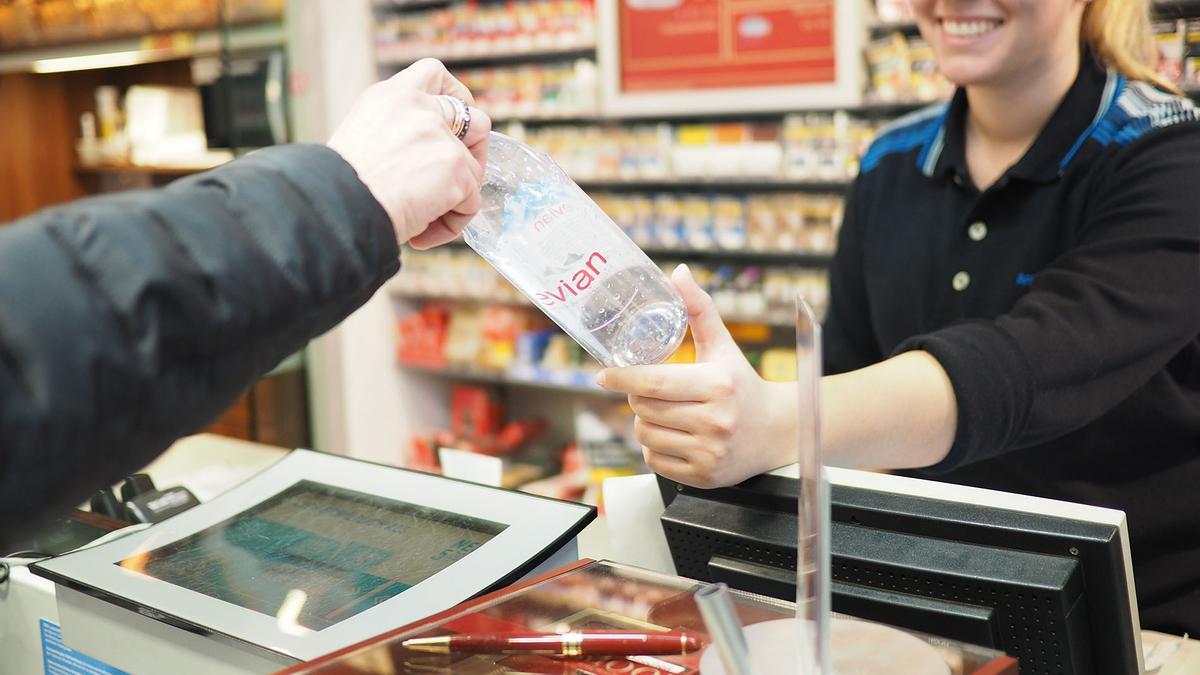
x=1118, y=33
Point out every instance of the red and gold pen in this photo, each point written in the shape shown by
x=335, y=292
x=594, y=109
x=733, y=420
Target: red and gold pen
x=579, y=643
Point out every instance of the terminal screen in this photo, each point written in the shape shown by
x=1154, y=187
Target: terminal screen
x=316, y=554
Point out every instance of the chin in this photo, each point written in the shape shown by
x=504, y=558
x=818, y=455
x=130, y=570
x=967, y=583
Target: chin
x=966, y=74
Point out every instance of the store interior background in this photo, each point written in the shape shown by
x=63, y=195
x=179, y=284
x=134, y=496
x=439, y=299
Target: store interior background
x=448, y=354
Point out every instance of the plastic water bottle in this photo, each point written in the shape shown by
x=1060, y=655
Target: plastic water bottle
x=551, y=241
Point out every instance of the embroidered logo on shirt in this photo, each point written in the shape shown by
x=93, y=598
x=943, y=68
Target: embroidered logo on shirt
x=1024, y=279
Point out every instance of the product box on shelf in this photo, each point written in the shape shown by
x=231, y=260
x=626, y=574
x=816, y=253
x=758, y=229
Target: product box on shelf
x=763, y=295
x=474, y=412
x=727, y=149
x=903, y=70
x=40, y=23
x=1191, y=65
x=887, y=60
x=18, y=25
x=469, y=29
x=777, y=222
x=421, y=337
x=535, y=90
x=805, y=147
x=1169, y=39
x=482, y=445
x=893, y=11
x=464, y=343
x=824, y=146
x=604, y=433
x=778, y=365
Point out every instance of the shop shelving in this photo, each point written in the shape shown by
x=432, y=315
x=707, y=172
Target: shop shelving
x=573, y=382
x=566, y=383
x=404, y=294
x=867, y=108
x=747, y=256
x=133, y=51
x=140, y=169
x=798, y=258
x=705, y=183
x=407, y=5
x=878, y=28
x=549, y=118
x=458, y=59
x=1177, y=8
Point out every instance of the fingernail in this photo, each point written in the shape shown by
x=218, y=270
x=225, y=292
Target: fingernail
x=600, y=378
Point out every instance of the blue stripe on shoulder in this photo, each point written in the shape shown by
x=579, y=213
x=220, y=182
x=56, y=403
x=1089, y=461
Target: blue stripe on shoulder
x=1135, y=108
x=919, y=129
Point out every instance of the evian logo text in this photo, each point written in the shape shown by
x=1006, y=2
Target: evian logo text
x=578, y=282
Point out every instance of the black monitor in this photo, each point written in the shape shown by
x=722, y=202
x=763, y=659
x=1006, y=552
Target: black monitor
x=1045, y=581
x=246, y=105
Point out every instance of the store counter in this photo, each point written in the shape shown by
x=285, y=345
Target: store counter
x=210, y=465
x=202, y=462
x=291, y=559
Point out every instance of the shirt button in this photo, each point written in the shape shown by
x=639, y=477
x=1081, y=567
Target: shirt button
x=961, y=281
x=977, y=231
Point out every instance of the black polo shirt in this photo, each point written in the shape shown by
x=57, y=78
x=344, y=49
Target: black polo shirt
x=1063, y=301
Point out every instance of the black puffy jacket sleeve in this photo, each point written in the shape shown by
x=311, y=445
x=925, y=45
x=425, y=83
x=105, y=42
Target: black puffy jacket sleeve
x=129, y=320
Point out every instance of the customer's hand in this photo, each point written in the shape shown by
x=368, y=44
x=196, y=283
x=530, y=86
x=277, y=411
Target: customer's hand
x=710, y=423
x=397, y=137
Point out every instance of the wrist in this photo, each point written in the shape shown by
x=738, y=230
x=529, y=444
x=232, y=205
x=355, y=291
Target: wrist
x=782, y=438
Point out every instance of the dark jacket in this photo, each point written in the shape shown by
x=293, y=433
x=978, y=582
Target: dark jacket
x=129, y=320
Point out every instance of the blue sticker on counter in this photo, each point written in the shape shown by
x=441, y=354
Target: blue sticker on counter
x=62, y=660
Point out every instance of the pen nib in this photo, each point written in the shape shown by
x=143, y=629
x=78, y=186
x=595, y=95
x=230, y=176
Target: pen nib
x=431, y=645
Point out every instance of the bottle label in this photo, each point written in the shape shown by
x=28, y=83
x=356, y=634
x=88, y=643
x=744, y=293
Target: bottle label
x=593, y=267
x=563, y=228
x=535, y=206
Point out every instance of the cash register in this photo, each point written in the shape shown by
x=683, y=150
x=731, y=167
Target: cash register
x=315, y=553
x=1047, y=581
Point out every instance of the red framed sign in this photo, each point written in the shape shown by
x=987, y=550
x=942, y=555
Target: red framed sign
x=657, y=55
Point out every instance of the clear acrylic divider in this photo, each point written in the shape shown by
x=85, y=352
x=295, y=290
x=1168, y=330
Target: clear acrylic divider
x=812, y=555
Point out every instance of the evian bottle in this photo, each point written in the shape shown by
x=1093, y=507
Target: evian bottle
x=539, y=229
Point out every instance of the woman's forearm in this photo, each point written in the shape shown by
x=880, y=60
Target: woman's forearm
x=899, y=413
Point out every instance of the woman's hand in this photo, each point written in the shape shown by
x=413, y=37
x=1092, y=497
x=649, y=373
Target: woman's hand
x=714, y=422
x=397, y=137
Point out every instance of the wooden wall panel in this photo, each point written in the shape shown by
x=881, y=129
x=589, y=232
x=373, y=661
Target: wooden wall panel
x=274, y=411
x=37, y=138
x=281, y=410
x=237, y=422
x=39, y=125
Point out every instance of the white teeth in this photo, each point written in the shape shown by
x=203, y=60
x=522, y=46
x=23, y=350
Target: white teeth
x=968, y=28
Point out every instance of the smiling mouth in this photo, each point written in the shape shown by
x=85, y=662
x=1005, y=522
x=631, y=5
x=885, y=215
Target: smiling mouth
x=968, y=28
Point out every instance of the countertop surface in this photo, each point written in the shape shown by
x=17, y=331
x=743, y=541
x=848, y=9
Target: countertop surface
x=208, y=464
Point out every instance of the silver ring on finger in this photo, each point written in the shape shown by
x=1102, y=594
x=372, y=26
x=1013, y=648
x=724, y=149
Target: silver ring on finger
x=461, y=122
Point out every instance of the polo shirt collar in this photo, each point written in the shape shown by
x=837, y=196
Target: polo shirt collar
x=1086, y=102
